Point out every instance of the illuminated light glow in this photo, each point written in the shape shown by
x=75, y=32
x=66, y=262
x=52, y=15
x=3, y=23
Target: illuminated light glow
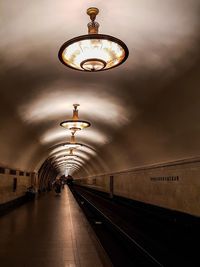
x=52, y=135
x=74, y=168
x=61, y=168
x=66, y=170
x=57, y=150
x=77, y=153
x=88, y=150
x=76, y=158
x=69, y=168
x=70, y=159
x=72, y=146
x=67, y=165
x=69, y=171
x=75, y=125
x=62, y=159
x=87, y=136
x=83, y=155
x=84, y=148
x=105, y=107
x=69, y=162
x=93, y=52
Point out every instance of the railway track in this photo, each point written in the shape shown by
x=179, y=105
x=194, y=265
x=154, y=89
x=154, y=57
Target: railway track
x=135, y=236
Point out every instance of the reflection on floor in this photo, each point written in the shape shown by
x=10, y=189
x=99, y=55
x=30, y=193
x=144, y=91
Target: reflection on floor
x=50, y=232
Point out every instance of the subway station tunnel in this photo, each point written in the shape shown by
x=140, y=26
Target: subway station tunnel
x=135, y=195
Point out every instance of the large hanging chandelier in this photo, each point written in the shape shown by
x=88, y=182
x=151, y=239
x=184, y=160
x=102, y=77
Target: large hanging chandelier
x=93, y=51
x=75, y=124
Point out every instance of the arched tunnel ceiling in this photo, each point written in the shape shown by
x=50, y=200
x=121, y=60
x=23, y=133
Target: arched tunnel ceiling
x=144, y=111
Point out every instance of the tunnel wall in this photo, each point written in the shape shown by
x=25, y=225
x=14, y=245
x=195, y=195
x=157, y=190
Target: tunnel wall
x=174, y=185
x=7, y=190
x=46, y=175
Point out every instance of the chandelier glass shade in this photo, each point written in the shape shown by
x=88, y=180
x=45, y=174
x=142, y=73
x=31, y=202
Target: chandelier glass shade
x=75, y=125
x=93, y=51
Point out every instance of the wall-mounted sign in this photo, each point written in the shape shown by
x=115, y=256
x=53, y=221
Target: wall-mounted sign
x=165, y=178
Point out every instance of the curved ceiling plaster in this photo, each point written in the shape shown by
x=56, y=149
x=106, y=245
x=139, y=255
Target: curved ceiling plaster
x=140, y=112
x=88, y=136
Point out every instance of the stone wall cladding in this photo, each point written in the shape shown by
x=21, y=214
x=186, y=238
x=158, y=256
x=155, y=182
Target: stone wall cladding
x=6, y=186
x=172, y=185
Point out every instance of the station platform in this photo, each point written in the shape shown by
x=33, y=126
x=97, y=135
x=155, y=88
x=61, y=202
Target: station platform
x=51, y=231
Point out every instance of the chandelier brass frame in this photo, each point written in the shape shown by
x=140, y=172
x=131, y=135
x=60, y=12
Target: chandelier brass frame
x=93, y=51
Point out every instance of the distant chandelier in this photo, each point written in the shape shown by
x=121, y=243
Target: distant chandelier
x=75, y=124
x=72, y=144
x=93, y=51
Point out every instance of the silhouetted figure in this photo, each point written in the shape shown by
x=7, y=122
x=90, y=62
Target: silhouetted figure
x=31, y=192
x=70, y=180
x=57, y=186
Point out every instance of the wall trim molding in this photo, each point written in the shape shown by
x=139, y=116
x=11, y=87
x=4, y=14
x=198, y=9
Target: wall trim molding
x=179, y=162
x=13, y=171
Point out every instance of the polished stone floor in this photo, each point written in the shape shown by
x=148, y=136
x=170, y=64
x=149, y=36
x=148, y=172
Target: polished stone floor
x=49, y=232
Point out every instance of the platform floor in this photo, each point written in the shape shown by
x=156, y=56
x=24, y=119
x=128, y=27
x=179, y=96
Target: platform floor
x=49, y=232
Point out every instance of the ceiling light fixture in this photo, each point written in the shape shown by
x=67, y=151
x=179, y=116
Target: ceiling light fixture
x=75, y=124
x=72, y=144
x=93, y=51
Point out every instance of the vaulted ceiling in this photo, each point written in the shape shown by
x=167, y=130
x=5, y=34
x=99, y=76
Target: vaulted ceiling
x=142, y=112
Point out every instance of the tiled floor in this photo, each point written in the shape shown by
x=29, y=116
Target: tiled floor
x=50, y=232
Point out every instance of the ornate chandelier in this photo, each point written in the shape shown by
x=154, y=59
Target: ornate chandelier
x=75, y=124
x=72, y=144
x=93, y=51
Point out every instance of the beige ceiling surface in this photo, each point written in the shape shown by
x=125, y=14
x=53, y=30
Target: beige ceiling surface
x=144, y=111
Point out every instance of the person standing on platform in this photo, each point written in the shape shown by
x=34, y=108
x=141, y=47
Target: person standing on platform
x=57, y=186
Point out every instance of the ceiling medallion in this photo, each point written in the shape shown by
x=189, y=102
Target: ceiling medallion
x=93, y=51
x=75, y=124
